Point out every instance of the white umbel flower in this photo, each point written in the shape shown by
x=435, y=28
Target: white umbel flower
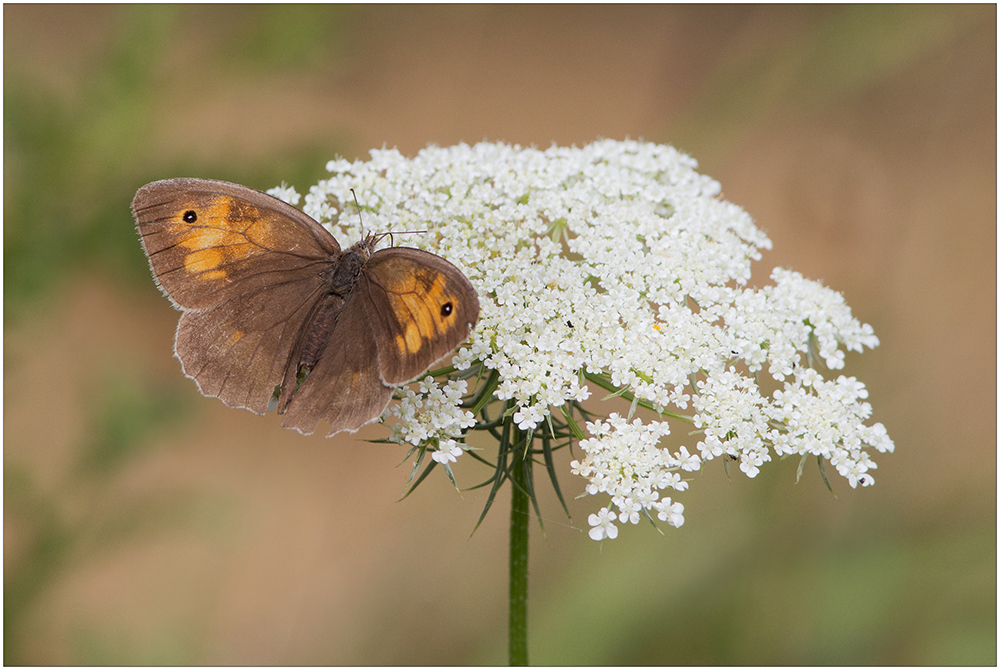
x=432, y=413
x=617, y=263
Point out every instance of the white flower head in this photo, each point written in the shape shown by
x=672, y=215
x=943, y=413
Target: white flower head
x=603, y=525
x=432, y=412
x=286, y=193
x=448, y=451
x=617, y=264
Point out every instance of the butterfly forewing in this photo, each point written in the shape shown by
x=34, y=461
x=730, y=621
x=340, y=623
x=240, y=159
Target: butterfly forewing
x=207, y=242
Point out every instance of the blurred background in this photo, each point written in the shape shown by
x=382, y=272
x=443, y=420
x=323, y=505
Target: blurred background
x=144, y=524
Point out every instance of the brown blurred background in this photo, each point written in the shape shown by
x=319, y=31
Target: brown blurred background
x=144, y=524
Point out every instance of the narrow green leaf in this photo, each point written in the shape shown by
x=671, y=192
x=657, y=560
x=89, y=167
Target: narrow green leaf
x=802, y=464
x=451, y=476
x=486, y=394
x=551, y=467
x=479, y=458
x=652, y=521
x=572, y=424
x=501, y=472
x=822, y=472
x=625, y=393
x=529, y=481
x=422, y=477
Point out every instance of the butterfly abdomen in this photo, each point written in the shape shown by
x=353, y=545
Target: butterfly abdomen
x=316, y=334
x=339, y=283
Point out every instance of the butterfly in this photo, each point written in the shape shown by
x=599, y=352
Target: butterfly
x=274, y=309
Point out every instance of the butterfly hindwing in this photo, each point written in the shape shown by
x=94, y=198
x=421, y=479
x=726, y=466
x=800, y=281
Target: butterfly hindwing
x=238, y=351
x=421, y=308
x=343, y=388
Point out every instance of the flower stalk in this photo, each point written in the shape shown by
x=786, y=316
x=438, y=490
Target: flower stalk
x=518, y=563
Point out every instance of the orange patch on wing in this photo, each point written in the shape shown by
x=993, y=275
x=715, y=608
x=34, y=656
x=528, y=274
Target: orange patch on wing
x=417, y=308
x=411, y=341
x=214, y=239
x=207, y=237
x=236, y=336
x=206, y=263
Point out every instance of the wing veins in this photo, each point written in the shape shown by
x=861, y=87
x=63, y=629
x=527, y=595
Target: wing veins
x=258, y=347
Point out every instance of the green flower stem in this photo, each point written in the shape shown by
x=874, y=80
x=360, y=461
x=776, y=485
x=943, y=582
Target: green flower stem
x=518, y=648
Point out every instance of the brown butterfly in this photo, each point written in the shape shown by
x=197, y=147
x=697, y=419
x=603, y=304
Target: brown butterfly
x=272, y=307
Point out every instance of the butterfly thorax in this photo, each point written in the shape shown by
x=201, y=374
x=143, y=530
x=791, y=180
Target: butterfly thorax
x=342, y=276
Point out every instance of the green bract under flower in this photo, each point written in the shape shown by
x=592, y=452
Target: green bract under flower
x=616, y=263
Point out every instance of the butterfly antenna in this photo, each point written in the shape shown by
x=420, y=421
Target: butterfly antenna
x=392, y=241
x=358, y=205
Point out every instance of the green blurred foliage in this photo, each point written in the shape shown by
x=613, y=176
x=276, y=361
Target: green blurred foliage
x=71, y=158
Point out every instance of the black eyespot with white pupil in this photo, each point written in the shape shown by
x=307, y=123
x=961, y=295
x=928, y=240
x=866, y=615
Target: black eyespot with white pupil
x=190, y=216
x=446, y=309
